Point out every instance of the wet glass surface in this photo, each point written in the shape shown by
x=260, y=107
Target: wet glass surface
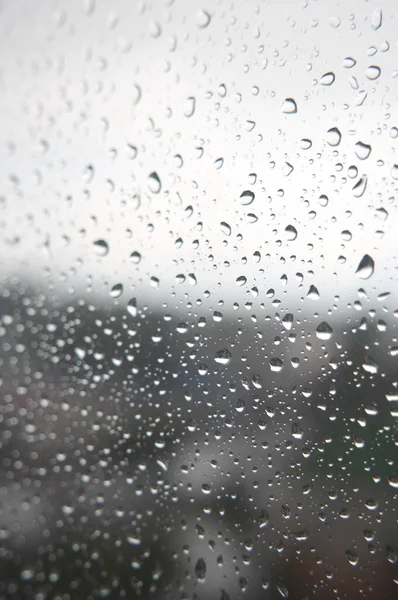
x=198, y=300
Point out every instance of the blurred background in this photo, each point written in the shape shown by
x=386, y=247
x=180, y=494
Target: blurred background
x=198, y=300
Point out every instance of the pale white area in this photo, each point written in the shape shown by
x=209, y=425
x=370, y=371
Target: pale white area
x=69, y=74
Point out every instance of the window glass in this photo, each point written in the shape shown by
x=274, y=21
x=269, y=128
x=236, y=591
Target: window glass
x=198, y=300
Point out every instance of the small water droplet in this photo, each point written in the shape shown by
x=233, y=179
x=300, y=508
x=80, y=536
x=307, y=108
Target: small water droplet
x=225, y=228
x=324, y=331
x=305, y=144
x=289, y=106
x=366, y=267
x=241, y=280
x=290, y=233
x=189, y=108
x=223, y=357
x=373, y=72
x=362, y=150
x=101, y=247
x=376, y=19
x=327, y=79
x=333, y=137
x=203, y=19
x=132, y=307
x=360, y=187
x=247, y=197
x=135, y=258
x=116, y=291
x=349, y=62
x=155, y=185
x=352, y=557
x=313, y=293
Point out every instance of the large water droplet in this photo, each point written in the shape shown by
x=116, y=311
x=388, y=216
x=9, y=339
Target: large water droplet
x=376, y=19
x=373, y=72
x=247, y=197
x=116, y=291
x=203, y=19
x=132, y=307
x=366, y=267
x=359, y=188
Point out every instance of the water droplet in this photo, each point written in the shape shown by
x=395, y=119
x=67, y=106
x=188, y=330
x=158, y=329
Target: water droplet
x=289, y=106
x=313, y=293
x=116, y=291
x=223, y=357
x=373, y=72
x=219, y=163
x=333, y=137
x=305, y=144
x=394, y=172
x=370, y=366
x=290, y=233
x=135, y=258
x=349, y=62
x=276, y=365
x=323, y=200
x=225, y=228
x=376, y=19
x=366, y=267
x=352, y=557
x=324, y=331
x=200, y=569
x=327, y=79
x=263, y=519
x=132, y=307
x=360, y=187
x=393, y=481
x=287, y=321
x=101, y=247
x=247, y=197
x=155, y=185
x=241, y=280
x=203, y=19
x=189, y=108
x=362, y=150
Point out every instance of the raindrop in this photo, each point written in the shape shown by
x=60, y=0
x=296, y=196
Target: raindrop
x=223, y=357
x=287, y=321
x=393, y=481
x=352, y=557
x=333, y=137
x=370, y=366
x=290, y=233
x=366, y=267
x=241, y=280
x=225, y=228
x=327, y=79
x=116, y=291
x=373, y=72
x=200, y=569
x=219, y=163
x=247, y=197
x=359, y=188
x=362, y=150
x=276, y=365
x=313, y=293
x=349, y=62
x=101, y=247
x=376, y=19
x=305, y=144
x=135, y=258
x=203, y=19
x=324, y=331
x=155, y=185
x=132, y=307
x=323, y=200
x=189, y=108
x=394, y=172
x=289, y=106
